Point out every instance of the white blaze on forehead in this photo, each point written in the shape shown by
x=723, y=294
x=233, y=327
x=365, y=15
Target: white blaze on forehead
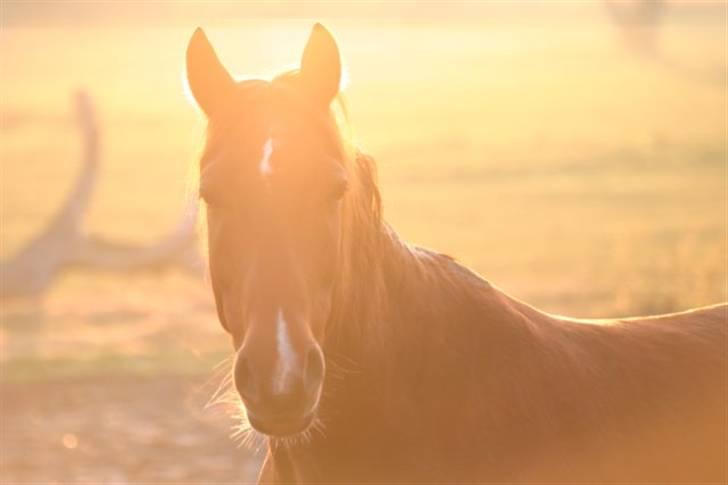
x=265, y=166
x=285, y=366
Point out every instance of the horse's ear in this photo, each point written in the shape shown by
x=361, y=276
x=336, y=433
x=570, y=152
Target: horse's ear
x=209, y=82
x=321, y=65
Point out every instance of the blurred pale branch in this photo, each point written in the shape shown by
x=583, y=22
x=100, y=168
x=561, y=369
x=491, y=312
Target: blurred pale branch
x=64, y=244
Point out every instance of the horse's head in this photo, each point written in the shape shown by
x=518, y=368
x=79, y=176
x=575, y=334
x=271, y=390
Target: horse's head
x=273, y=176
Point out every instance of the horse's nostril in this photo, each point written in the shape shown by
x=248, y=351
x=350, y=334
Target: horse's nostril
x=313, y=372
x=243, y=377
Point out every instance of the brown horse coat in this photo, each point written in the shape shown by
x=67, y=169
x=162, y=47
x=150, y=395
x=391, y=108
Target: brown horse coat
x=465, y=384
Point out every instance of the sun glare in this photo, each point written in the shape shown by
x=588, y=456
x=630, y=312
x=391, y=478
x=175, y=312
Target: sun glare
x=573, y=153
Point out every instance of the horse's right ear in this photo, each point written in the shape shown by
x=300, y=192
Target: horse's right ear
x=209, y=82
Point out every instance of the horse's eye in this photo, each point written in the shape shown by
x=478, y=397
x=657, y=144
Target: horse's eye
x=206, y=196
x=211, y=198
x=338, y=190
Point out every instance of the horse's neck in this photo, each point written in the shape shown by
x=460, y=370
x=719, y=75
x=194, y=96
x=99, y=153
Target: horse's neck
x=444, y=368
x=433, y=323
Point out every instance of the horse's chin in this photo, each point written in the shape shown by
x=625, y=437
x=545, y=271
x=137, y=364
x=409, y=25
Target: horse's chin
x=282, y=426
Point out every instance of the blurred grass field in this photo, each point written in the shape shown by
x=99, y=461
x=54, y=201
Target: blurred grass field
x=541, y=152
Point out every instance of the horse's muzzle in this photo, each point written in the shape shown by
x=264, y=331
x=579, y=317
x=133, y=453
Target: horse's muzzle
x=280, y=403
x=280, y=425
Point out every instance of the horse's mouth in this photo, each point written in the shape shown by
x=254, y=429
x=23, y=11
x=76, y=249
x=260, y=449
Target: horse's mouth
x=281, y=425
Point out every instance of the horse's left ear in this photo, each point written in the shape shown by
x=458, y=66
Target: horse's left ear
x=321, y=65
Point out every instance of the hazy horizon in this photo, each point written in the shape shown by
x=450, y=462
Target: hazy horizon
x=74, y=14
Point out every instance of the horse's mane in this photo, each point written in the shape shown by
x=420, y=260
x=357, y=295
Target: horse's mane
x=376, y=263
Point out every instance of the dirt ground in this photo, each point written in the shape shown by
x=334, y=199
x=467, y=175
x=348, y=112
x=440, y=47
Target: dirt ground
x=118, y=430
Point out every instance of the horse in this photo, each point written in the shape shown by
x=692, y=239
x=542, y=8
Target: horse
x=362, y=358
